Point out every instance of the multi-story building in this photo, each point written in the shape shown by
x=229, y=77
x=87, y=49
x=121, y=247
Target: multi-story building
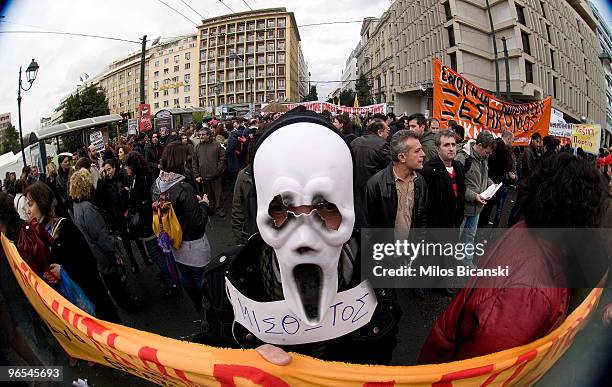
x=605, y=41
x=121, y=83
x=375, y=59
x=304, y=76
x=5, y=122
x=173, y=74
x=249, y=57
x=553, y=50
x=349, y=75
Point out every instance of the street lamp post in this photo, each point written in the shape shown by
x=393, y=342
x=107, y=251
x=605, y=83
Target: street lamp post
x=31, y=73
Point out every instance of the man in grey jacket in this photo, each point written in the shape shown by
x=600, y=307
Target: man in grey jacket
x=473, y=157
x=208, y=163
x=418, y=124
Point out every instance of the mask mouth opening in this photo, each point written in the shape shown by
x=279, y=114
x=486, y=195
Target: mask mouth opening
x=308, y=278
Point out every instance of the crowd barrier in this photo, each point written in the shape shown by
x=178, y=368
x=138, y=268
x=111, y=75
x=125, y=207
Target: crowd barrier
x=170, y=362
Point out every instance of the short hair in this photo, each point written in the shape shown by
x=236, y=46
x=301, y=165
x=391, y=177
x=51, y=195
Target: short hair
x=459, y=130
x=83, y=162
x=343, y=119
x=507, y=134
x=485, y=139
x=379, y=116
x=432, y=119
x=536, y=136
x=398, y=142
x=111, y=162
x=376, y=125
x=141, y=137
x=443, y=133
x=174, y=158
x=420, y=119
x=80, y=184
x=391, y=116
x=41, y=194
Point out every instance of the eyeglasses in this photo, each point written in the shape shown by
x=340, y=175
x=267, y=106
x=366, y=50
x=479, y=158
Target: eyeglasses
x=326, y=211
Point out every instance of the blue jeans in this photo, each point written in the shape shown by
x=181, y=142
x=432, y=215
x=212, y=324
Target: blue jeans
x=191, y=276
x=468, y=234
x=503, y=196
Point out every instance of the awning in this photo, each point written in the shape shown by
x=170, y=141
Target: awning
x=68, y=127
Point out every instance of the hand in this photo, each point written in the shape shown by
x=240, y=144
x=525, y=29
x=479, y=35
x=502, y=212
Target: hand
x=480, y=200
x=199, y=179
x=203, y=199
x=606, y=315
x=274, y=354
x=53, y=275
x=512, y=176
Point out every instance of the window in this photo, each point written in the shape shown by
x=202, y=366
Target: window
x=187, y=77
x=270, y=58
x=270, y=34
x=528, y=72
x=270, y=70
x=270, y=46
x=281, y=71
x=166, y=92
x=281, y=57
x=155, y=85
x=281, y=83
x=526, y=45
x=187, y=56
x=156, y=105
x=156, y=94
x=554, y=87
x=156, y=63
x=166, y=71
x=187, y=66
x=520, y=14
x=280, y=33
x=281, y=22
x=166, y=104
x=281, y=45
x=453, y=61
x=271, y=23
x=166, y=60
x=447, y=11
x=176, y=69
x=176, y=58
x=451, y=36
x=552, y=58
x=175, y=90
x=187, y=88
x=176, y=101
x=543, y=10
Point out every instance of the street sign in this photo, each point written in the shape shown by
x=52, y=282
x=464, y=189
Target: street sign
x=133, y=126
x=96, y=139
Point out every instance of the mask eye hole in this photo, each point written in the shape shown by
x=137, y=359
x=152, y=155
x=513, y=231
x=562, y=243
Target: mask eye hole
x=329, y=214
x=278, y=211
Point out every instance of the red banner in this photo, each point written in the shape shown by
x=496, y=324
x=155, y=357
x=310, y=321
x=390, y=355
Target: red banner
x=320, y=106
x=456, y=98
x=144, y=117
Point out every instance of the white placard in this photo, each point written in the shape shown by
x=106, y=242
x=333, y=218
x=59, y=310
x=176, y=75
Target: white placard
x=96, y=139
x=133, y=126
x=273, y=322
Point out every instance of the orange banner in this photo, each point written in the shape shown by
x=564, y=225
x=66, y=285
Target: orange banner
x=171, y=362
x=456, y=98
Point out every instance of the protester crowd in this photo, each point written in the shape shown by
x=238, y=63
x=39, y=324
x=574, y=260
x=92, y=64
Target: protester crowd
x=410, y=173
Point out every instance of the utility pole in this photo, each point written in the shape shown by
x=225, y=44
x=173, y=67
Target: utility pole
x=142, y=69
x=494, y=49
x=507, y=62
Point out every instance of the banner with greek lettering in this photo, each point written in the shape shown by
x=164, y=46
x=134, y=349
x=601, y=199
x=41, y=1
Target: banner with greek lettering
x=171, y=362
x=273, y=323
x=456, y=98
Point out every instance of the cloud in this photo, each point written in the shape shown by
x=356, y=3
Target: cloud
x=63, y=59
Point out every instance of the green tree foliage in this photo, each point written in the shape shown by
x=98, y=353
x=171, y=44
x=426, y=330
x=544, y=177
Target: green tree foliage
x=347, y=97
x=10, y=141
x=312, y=95
x=90, y=102
x=198, y=117
x=364, y=88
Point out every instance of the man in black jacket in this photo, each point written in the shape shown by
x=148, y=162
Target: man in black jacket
x=445, y=184
x=396, y=197
x=371, y=153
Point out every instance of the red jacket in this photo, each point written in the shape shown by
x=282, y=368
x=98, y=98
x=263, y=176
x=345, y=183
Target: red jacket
x=482, y=320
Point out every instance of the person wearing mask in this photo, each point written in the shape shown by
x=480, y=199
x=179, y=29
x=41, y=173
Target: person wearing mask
x=445, y=180
x=371, y=155
x=396, y=197
x=140, y=213
x=192, y=213
x=473, y=158
x=69, y=250
x=208, y=163
x=112, y=197
x=20, y=200
x=488, y=316
x=418, y=124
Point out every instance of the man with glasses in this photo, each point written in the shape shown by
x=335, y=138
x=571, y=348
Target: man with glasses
x=208, y=163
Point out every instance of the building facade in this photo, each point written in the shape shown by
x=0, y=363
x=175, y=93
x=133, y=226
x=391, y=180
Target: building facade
x=249, y=57
x=349, y=75
x=121, y=83
x=173, y=74
x=375, y=58
x=304, y=75
x=5, y=122
x=553, y=50
x=605, y=41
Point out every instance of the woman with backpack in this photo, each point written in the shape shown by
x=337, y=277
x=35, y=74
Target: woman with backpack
x=68, y=250
x=191, y=213
x=140, y=213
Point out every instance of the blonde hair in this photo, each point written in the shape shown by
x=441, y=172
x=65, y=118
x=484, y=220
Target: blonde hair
x=80, y=184
x=51, y=169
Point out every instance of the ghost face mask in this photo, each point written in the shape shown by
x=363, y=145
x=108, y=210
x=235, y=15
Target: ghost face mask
x=303, y=175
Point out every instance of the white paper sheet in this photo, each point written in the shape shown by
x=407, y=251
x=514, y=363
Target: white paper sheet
x=488, y=193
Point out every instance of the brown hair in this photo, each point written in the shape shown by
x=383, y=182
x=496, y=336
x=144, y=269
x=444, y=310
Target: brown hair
x=41, y=194
x=174, y=158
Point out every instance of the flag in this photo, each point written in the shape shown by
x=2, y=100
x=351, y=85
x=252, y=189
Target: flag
x=81, y=78
x=356, y=103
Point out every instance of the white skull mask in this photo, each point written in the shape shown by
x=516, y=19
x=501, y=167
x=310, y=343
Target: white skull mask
x=308, y=166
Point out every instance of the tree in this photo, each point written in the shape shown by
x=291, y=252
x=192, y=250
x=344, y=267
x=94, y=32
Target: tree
x=198, y=117
x=312, y=95
x=90, y=102
x=10, y=141
x=364, y=88
x=347, y=97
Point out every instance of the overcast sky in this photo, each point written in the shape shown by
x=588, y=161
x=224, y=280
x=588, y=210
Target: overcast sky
x=63, y=59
